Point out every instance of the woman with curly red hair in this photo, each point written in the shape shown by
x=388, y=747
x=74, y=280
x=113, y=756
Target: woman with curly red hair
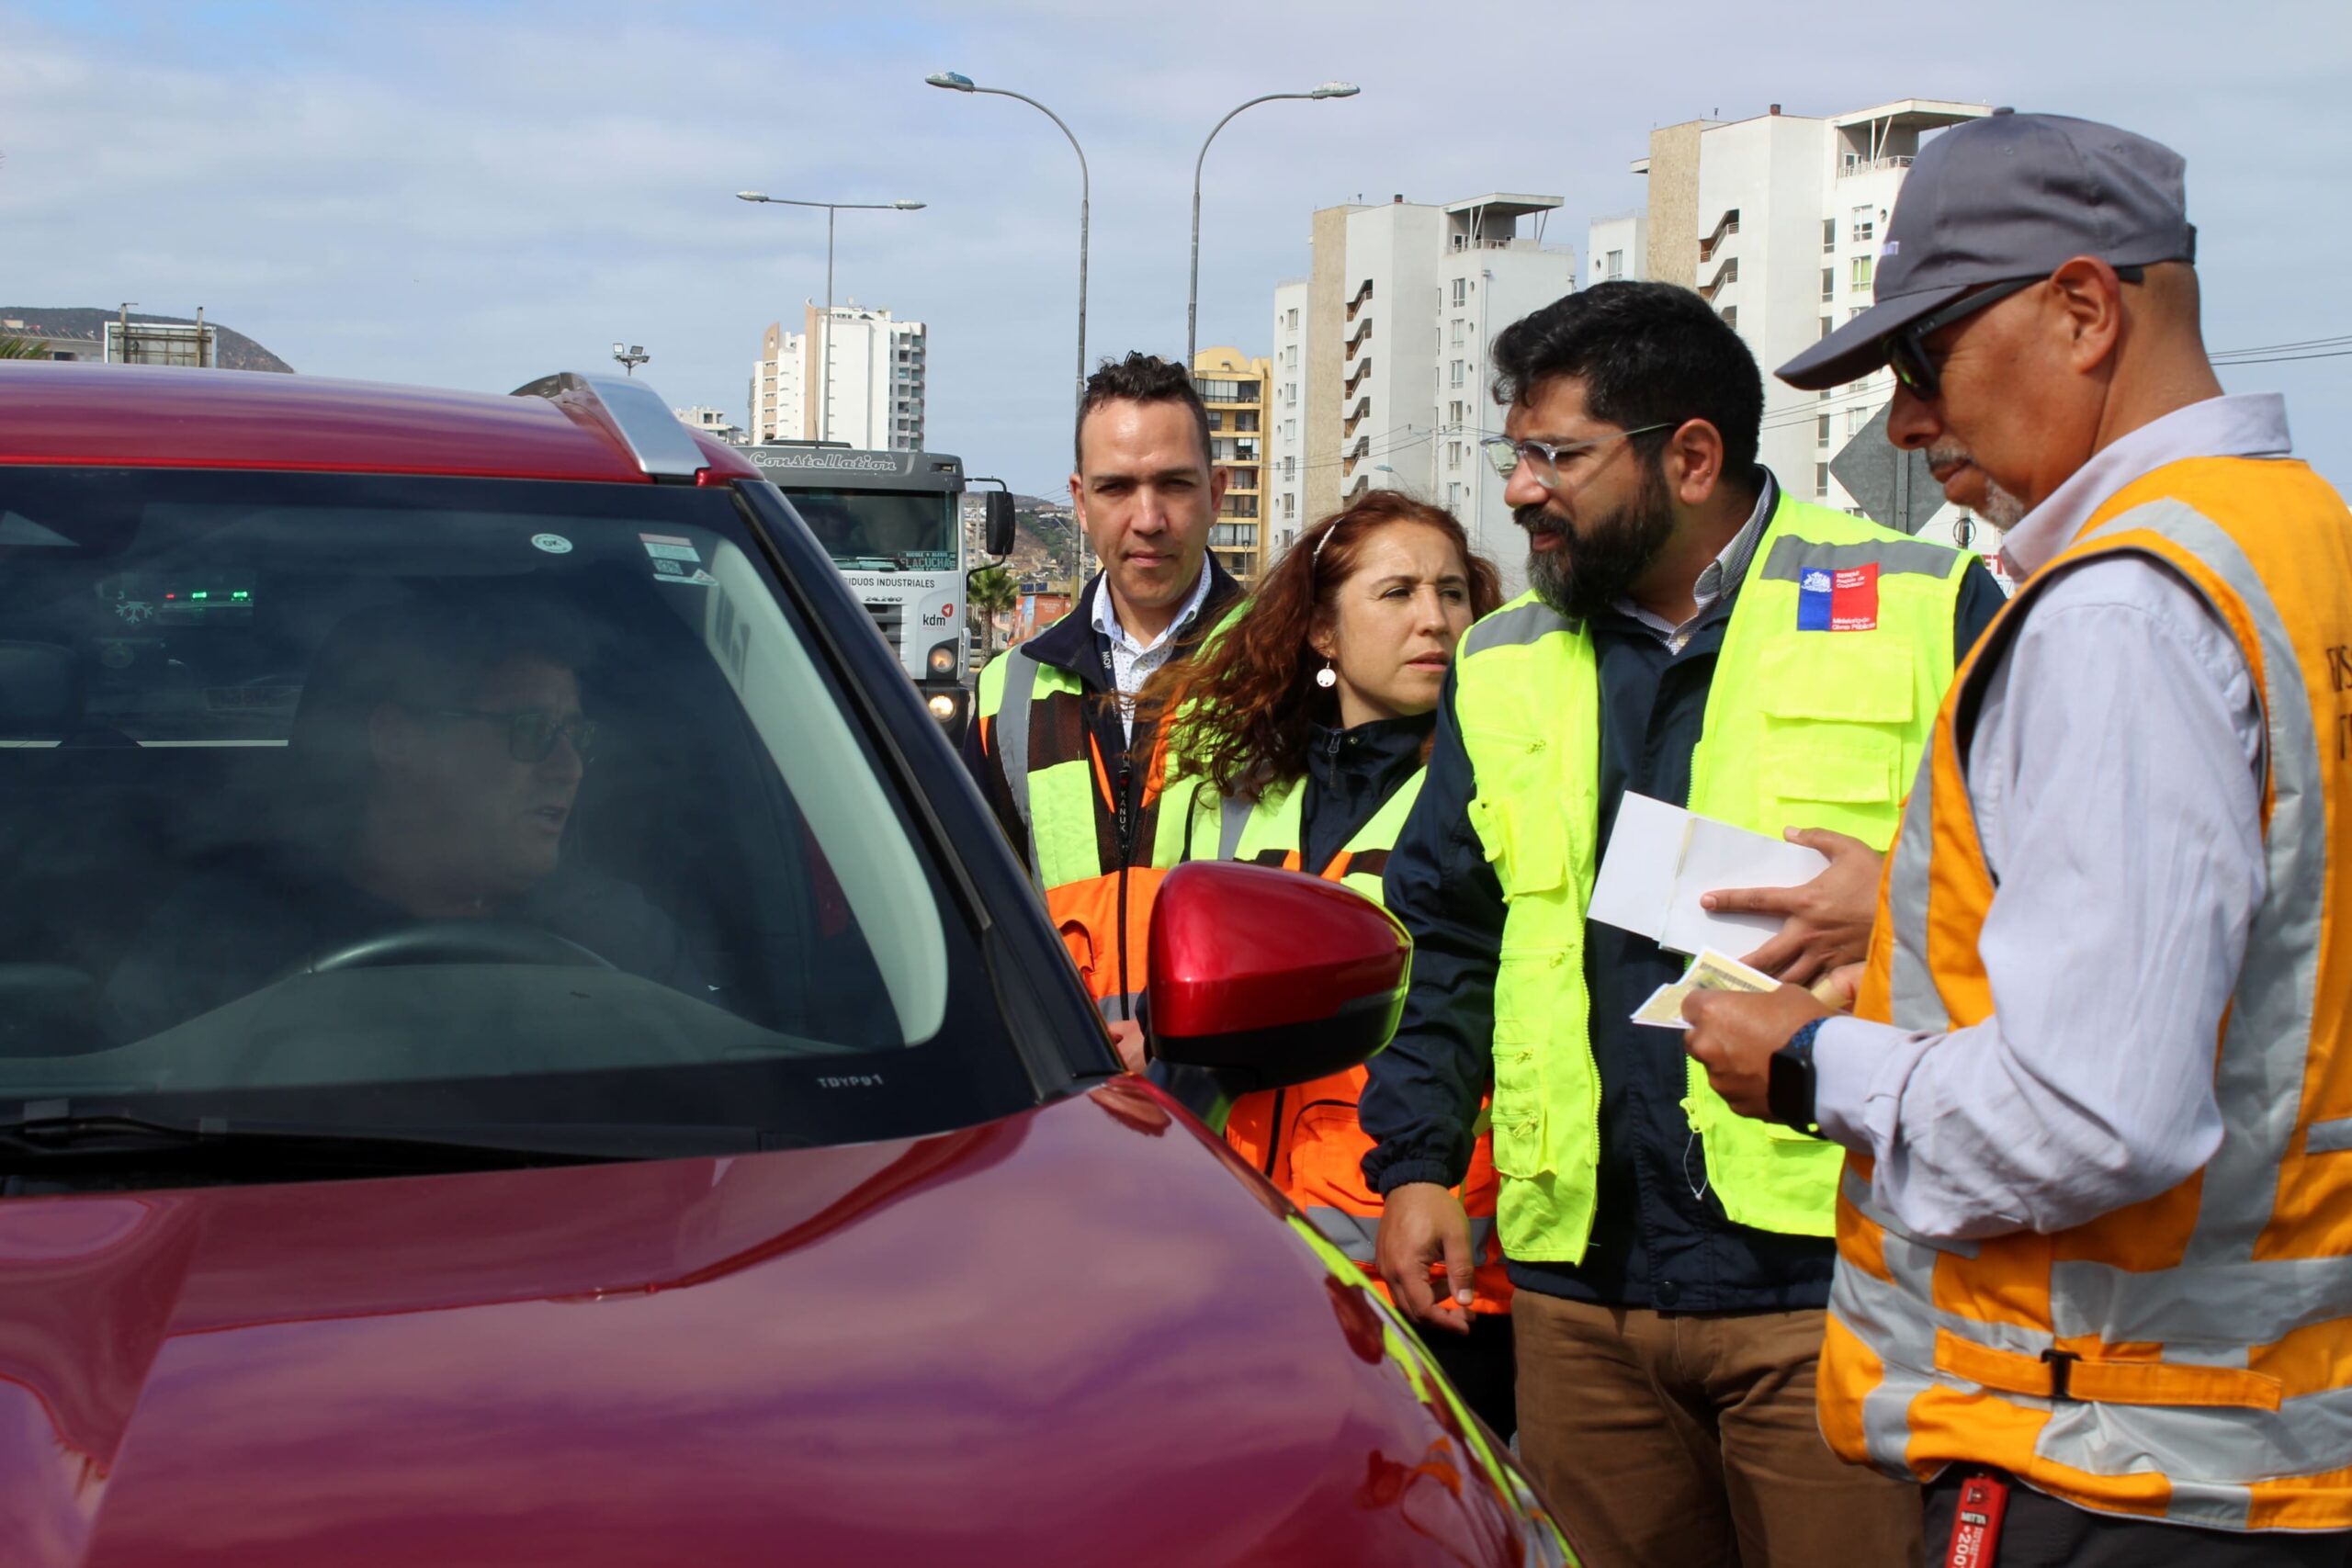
x=1298, y=736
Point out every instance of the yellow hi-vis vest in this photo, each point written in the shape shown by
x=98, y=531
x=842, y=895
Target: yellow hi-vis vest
x=2204, y=1336
x=1805, y=727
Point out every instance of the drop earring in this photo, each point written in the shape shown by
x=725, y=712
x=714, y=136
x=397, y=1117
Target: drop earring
x=1327, y=677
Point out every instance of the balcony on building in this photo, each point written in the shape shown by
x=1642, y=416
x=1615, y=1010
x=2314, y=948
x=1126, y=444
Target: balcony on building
x=1873, y=141
x=1491, y=223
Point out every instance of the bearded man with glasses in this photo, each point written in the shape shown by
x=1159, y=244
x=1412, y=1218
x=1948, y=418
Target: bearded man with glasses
x=1696, y=634
x=439, y=748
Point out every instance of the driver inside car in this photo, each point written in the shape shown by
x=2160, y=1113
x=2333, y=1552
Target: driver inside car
x=437, y=753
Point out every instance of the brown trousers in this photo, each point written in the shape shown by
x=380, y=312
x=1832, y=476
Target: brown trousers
x=1689, y=1438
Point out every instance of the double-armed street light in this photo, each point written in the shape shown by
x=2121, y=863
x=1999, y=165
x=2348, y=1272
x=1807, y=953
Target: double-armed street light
x=1192, y=290
x=631, y=355
x=825, y=353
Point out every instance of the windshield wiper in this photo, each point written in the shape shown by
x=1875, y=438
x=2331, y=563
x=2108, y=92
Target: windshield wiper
x=61, y=1136
x=869, y=563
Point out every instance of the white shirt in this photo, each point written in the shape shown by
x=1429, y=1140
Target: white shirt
x=2115, y=776
x=1721, y=575
x=1132, y=662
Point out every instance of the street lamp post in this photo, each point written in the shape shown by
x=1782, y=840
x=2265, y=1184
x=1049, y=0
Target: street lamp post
x=631, y=355
x=825, y=350
x=1192, y=290
x=956, y=82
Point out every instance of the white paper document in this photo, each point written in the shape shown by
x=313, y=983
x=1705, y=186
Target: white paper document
x=1661, y=857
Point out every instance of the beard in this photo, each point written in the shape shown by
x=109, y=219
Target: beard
x=1597, y=562
x=2001, y=508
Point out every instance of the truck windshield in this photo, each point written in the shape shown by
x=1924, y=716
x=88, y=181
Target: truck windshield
x=911, y=529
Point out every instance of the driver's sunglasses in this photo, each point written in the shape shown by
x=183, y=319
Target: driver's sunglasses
x=1907, y=348
x=1543, y=457
x=531, y=733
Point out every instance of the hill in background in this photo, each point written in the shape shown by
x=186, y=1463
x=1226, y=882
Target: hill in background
x=235, y=349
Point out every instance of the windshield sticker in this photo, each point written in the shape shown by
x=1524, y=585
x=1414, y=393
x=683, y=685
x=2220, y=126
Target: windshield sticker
x=554, y=544
x=668, y=547
x=672, y=572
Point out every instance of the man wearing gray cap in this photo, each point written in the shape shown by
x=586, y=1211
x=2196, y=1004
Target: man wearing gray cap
x=2095, y=1232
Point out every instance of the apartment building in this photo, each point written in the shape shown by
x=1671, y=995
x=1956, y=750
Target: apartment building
x=1285, y=478
x=870, y=368
x=1379, y=357
x=710, y=422
x=1776, y=220
x=1234, y=386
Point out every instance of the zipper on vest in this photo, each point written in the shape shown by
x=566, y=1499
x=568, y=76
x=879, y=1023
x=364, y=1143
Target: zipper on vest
x=1126, y=853
x=1275, y=1134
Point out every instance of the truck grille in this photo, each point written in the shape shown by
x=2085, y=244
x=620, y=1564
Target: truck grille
x=892, y=619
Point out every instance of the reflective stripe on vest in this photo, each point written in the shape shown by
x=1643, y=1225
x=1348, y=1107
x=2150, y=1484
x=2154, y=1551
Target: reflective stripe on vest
x=1012, y=744
x=1816, y=728
x=2189, y=1356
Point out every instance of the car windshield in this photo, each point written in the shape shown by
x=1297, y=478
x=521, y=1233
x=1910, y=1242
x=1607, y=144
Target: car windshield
x=344, y=799
x=867, y=527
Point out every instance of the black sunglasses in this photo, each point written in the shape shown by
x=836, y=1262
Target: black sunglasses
x=531, y=734
x=1906, y=348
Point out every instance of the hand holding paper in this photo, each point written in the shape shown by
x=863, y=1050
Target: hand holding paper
x=1708, y=972
x=1824, y=924
x=1663, y=860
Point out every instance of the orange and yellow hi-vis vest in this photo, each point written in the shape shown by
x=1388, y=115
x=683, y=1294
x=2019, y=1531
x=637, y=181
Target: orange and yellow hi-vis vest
x=1306, y=1139
x=2187, y=1357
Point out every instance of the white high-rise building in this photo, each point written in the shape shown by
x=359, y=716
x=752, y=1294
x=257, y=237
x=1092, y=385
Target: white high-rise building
x=876, y=387
x=1285, y=485
x=1383, y=347
x=1776, y=220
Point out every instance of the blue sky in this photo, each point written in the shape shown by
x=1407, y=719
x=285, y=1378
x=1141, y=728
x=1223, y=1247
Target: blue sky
x=473, y=194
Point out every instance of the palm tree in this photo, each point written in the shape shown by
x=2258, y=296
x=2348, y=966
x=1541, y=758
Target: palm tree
x=23, y=347
x=989, y=591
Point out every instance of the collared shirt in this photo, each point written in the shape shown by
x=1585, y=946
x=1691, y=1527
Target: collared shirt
x=1721, y=575
x=1132, y=662
x=2115, y=775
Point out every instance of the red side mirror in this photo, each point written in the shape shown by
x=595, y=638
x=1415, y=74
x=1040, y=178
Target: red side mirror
x=1270, y=977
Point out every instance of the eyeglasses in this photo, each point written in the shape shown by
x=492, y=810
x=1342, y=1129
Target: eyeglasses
x=1907, y=348
x=531, y=733
x=1545, y=456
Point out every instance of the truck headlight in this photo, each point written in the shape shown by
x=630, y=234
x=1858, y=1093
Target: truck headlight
x=942, y=658
x=942, y=707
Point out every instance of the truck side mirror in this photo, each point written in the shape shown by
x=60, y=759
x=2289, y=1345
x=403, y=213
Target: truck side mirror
x=1262, y=979
x=999, y=535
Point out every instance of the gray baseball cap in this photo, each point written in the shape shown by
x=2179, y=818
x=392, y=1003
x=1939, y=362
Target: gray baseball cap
x=2008, y=195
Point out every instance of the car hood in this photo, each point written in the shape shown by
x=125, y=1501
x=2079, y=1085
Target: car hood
x=1077, y=1333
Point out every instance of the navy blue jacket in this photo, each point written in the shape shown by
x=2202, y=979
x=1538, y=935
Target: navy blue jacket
x=1659, y=1237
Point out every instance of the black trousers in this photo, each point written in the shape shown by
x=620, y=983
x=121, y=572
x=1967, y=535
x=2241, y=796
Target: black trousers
x=1482, y=1368
x=2040, y=1529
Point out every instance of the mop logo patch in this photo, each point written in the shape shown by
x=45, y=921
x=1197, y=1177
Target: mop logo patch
x=1840, y=600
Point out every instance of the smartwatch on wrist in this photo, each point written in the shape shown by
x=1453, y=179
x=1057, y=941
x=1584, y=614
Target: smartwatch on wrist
x=1788, y=1085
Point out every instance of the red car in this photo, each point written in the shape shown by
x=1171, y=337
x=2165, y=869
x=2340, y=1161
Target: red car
x=518, y=1044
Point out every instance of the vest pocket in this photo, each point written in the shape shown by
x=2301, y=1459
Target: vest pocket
x=1874, y=685
x=1522, y=809
x=1518, y=1108
x=1543, y=1083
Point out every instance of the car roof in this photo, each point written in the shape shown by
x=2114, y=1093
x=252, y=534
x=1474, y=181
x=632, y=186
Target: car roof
x=573, y=427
